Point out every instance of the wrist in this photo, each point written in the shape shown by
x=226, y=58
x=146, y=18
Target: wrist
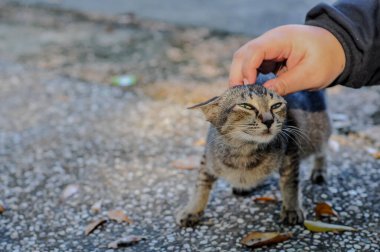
x=341, y=52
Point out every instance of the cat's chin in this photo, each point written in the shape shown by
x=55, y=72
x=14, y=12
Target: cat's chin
x=259, y=139
x=265, y=138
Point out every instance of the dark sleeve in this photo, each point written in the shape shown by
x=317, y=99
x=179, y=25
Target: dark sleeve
x=356, y=24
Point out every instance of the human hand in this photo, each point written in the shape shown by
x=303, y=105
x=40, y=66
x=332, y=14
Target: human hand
x=312, y=59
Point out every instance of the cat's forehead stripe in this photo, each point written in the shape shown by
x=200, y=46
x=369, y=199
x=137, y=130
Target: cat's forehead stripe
x=250, y=94
x=252, y=91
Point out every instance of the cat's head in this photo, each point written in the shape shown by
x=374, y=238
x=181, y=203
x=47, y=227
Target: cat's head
x=248, y=113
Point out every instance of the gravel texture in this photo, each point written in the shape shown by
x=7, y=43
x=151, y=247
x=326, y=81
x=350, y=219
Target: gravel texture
x=62, y=124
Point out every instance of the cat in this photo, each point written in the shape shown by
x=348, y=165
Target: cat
x=255, y=132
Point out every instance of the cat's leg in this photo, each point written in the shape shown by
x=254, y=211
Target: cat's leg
x=319, y=172
x=193, y=211
x=291, y=211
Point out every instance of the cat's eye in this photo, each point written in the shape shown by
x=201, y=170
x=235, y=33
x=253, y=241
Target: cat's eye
x=277, y=105
x=247, y=106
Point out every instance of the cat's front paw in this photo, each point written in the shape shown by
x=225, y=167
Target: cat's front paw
x=292, y=216
x=187, y=218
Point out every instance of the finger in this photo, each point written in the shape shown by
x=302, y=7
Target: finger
x=249, y=57
x=294, y=80
x=252, y=62
x=266, y=56
x=249, y=72
x=236, y=75
x=245, y=63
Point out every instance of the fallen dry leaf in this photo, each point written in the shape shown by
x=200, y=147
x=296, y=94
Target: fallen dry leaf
x=69, y=191
x=207, y=223
x=200, y=142
x=324, y=209
x=318, y=226
x=189, y=163
x=119, y=216
x=265, y=200
x=259, y=239
x=376, y=154
x=126, y=241
x=2, y=209
x=93, y=225
x=96, y=207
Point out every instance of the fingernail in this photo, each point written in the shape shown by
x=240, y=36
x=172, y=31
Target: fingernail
x=245, y=81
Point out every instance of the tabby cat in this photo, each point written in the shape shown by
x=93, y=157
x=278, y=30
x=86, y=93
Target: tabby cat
x=255, y=132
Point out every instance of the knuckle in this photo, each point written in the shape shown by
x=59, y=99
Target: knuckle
x=255, y=46
x=238, y=55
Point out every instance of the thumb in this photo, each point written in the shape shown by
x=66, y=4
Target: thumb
x=291, y=81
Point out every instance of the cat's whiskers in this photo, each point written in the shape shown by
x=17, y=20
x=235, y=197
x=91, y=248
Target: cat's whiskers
x=298, y=130
x=299, y=134
x=281, y=138
x=288, y=135
x=237, y=125
x=237, y=128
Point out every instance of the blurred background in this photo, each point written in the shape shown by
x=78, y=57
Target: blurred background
x=92, y=118
x=243, y=16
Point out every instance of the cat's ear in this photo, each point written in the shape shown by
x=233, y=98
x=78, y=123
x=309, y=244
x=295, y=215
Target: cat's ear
x=209, y=108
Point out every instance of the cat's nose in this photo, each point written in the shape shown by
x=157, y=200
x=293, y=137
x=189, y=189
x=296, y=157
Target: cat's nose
x=267, y=119
x=268, y=122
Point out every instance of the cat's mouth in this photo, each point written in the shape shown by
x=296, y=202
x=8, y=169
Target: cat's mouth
x=267, y=132
x=262, y=136
x=266, y=136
